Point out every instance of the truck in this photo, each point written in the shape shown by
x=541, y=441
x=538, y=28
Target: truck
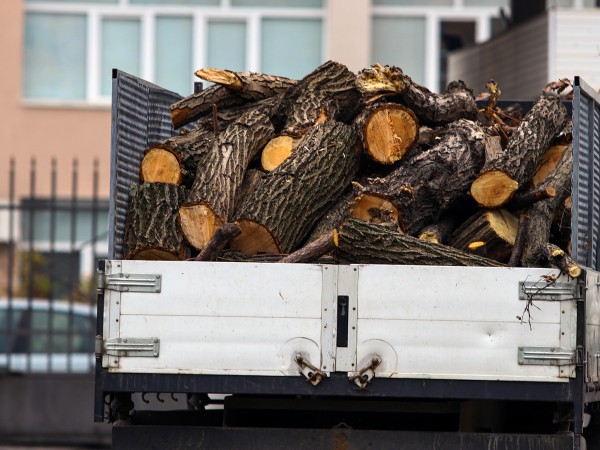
x=226, y=355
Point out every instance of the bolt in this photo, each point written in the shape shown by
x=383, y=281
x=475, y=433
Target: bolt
x=124, y=339
x=126, y=275
x=155, y=354
x=158, y=277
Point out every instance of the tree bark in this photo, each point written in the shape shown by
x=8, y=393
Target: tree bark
x=456, y=103
x=388, y=131
x=211, y=200
x=429, y=182
x=151, y=229
x=512, y=169
x=541, y=214
x=328, y=92
x=278, y=215
x=496, y=229
x=364, y=243
x=312, y=251
x=333, y=218
x=251, y=86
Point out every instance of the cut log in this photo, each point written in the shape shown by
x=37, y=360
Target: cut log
x=456, y=103
x=548, y=164
x=278, y=215
x=439, y=232
x=512, y=169
x=276, y=151
x=248, y=85
x=329, y=91
x=541, y=214
x=226, y=116
x=388, y=131
x=436, y=178
x=496, y=229
x=211, y=200
x=526, y=199
x=151, y=229
x=366, y=243
x=175, y=159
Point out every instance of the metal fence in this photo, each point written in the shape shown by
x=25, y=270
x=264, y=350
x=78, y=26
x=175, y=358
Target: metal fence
x=49, y=248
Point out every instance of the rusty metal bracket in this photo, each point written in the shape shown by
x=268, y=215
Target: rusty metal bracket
x=312, y=374
x=364, y=376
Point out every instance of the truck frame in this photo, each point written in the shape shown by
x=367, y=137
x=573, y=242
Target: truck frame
x=270, y=355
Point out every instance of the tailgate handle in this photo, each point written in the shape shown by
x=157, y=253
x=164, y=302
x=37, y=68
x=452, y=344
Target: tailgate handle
x=342, y=320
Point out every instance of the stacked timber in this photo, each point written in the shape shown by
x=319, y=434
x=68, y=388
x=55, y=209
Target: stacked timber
x=366, y=167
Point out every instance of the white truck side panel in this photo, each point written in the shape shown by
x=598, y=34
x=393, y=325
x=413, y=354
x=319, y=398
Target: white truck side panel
x=253, y=319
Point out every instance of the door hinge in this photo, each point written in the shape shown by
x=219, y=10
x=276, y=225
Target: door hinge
x=129, y=282
x=549, y=291
x=145, y=347
x=548, y=356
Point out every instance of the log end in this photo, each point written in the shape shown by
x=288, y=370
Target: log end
x=223, y=77
x=372, y=208
x=198, y=224
x=378, y=78
x=179, y=116
x=430, y=236
x=493, y=189
x=548, y=164
x=390, y=132
x=504, y=224
x=254, y=239
x=276, y=151
x=160, y=166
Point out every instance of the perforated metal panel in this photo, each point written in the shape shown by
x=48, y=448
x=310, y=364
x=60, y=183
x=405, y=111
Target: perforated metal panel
x=585, y=221
x=140, y=118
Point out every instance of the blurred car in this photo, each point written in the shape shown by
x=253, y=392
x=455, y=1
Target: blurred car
x=41, y=336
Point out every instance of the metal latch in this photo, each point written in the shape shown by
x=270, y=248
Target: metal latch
x=148, y=347
x=129, y=282
x=312, y=374
x=367, y=373
x=547, y=356
x=554, y=291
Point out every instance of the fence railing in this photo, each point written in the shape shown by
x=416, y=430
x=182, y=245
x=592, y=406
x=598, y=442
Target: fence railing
x=49, y=247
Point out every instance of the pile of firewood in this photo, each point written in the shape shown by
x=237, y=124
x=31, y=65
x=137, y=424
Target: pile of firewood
x=356, y=168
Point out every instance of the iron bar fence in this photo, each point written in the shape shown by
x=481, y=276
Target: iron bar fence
x=49, y=248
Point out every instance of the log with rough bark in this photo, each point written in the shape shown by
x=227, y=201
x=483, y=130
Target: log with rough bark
x=240, y=89
x=495, y=229
x=278, y=215
x=218, y=119
x=218, y=242
x=151, y=229
x=456, y=103
x=439, y=232
x=175, y=159
x=333, y=218
x=548, y=163
x=366, y=243
x=251, y=86
x=429, y=182
x=328, y=92
x=388, y=131
x=513, y=168
x=211, y=200
x=541, y=214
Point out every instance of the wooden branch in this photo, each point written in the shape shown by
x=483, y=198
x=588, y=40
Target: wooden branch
x=313, y=250
x=517, y=250
x=527, y=199
x=218, y=241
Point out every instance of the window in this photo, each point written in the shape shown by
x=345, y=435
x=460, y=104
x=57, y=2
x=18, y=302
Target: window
x=416, y=35
x=72, y=46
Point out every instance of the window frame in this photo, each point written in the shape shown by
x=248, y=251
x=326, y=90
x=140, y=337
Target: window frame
x=147, y=14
